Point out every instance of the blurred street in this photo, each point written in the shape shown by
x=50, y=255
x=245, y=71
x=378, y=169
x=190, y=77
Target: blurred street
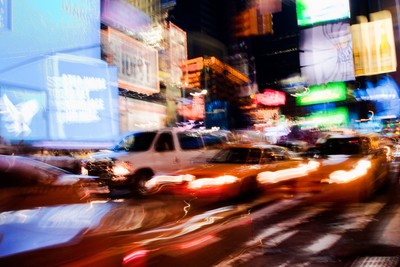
x=275, y=229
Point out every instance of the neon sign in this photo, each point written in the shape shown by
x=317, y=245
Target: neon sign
x=271, y=98
x=338, y=117
x=331, y=92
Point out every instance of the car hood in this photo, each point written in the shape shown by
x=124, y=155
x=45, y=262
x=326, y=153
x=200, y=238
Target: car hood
x=104, y=154
x=239, y=170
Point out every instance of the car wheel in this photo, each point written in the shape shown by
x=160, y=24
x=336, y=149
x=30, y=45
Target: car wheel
x=140, y=179
x=249, y=187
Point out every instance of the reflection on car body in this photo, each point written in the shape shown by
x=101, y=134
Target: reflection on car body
x=141, y=154
x=230, y=173
x=352, y=167
x=26, y=183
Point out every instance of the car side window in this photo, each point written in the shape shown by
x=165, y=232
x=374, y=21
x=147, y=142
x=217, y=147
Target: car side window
x=137, y=142
x=189, y=141
x=280, y=153
x=165, y=142
x=254, y=156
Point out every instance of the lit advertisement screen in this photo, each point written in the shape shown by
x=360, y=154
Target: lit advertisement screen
x=338, y=117
x=137, y=63
x=374, y=46
x=79, y=102
x=120, y=14
x=326, y=53
x=178, y=52
x=331, y=92
x=311, y=12
x=83, y=99
x=23, y=114
x=34, y=29
x=385, y=95
x=271, y=98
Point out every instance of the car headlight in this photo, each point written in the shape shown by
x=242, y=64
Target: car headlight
x=84, y=169
x=342, y=176
x=209, y=182
x=122, y=168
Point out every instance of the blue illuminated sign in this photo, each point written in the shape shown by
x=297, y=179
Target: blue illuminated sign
x=41, y=28
x=23, y=114
x=78, y=101
x=5, y=15
x=83, y=99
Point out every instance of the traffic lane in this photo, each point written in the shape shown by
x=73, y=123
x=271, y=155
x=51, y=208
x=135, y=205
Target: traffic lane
x=327, y=234
x=63, y=225
x=173, y=240
x=128, y=218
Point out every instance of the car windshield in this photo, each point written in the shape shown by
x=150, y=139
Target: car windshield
x=237, y=155
x=341, y=146
x=140, y=141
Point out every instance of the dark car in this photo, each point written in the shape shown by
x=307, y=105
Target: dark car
x=27, y=183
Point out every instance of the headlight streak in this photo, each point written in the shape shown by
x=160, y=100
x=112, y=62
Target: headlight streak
x=341, y=176
x=168, y=179
x=286, y=174
x=201, y=241
x=185, y=209
x=191, y=225
x=388, y=151
x=136, y=255
x=209, y=182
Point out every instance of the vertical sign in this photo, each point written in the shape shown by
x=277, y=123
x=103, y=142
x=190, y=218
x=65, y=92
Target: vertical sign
x=5, y=15
x=374, y=49
x=178, y=52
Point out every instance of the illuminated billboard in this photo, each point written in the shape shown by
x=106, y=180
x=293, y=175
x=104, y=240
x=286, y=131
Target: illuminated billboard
x=119, y=14
x=271, y=98
x=178, y=52
x=141, y=115
x=310, y=12
x=34, y=29
x=78, y=102
x=326, y=53
x=385, y=94
x=6, y=16
x=83, y=99
x=338, y=117
x=137, y=63
x=23, y=114
x=317, y=94
x=373, y=45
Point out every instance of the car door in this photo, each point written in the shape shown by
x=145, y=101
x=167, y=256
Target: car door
x=166, y=157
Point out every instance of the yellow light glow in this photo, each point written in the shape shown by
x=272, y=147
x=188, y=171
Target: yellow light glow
x=122, y=168
x=167, y=179
x=207, y=182
x=286, y=174
x=341, y=176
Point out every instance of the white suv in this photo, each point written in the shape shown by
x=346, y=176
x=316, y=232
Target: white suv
x=142, y=154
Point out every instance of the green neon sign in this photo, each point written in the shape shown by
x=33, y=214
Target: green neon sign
x=337, y=117
x=317, y=94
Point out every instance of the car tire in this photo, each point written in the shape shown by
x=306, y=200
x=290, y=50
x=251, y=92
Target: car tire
x=140, y=178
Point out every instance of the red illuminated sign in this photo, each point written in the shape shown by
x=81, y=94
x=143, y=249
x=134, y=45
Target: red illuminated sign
x=271, y=98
